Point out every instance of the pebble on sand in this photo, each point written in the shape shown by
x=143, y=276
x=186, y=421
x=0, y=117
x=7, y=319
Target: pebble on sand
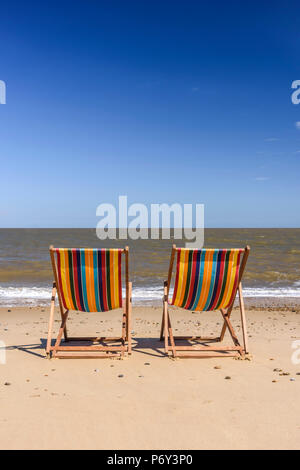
x=227, y=377
x=120, y=376
x=7, y=384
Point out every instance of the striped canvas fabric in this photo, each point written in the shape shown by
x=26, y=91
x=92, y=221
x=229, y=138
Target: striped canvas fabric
x=206, y=279
x=90, y=279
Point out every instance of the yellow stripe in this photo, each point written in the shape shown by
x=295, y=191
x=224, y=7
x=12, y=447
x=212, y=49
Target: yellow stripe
x=180, y=277
x=232, y=278
x=229, y=272
x=63, y=279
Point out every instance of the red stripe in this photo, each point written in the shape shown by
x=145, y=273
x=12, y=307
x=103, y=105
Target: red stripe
x=192, y=280
x=236, y=280
x=59, y=279
x=177, y=276
x=104, y=272
x=220, y=280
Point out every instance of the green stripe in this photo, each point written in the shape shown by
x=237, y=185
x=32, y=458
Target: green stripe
x=71, y=279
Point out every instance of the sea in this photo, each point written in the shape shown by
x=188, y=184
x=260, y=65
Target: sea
x=272, y=273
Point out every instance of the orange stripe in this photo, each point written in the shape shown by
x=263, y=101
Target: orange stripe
x=67, y=279
x=92, y=281
x=229, y=274
x=180, y=277
x=185, y=255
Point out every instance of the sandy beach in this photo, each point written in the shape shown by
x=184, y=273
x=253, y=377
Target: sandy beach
x=148, y=401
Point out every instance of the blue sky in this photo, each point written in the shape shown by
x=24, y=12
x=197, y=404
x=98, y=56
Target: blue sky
x=167, y=101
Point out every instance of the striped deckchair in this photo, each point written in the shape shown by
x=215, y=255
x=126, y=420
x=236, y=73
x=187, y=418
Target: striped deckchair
x=206, y=280
x=89, y=280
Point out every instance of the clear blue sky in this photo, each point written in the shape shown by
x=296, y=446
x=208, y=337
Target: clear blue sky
x=166, y=101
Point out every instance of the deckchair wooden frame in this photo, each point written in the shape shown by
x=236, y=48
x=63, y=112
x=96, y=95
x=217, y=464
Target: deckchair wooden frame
x=206, y=345
x=97, y=350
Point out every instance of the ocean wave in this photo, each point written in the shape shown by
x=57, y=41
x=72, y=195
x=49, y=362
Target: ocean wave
x=271, y=292
x=151, y=293
x=32, y=296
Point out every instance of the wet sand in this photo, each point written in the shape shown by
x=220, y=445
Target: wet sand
x=148, y=401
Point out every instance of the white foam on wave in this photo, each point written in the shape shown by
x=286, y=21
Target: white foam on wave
x=156, y=293
x=24, y=292
x=22, y=296
x=272, y=292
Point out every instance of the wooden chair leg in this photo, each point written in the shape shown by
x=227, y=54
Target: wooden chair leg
x=224, y=328
x=243, y=319
x=62, y=314
x=165, y=299
x=230, y=328
x=129, y=319
x=171, y=335
x=166, y=321
x=162, y=327
x=61, y=332
x=232, y=332
x=124, y=324
x=124, y=330
x=51, y=320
